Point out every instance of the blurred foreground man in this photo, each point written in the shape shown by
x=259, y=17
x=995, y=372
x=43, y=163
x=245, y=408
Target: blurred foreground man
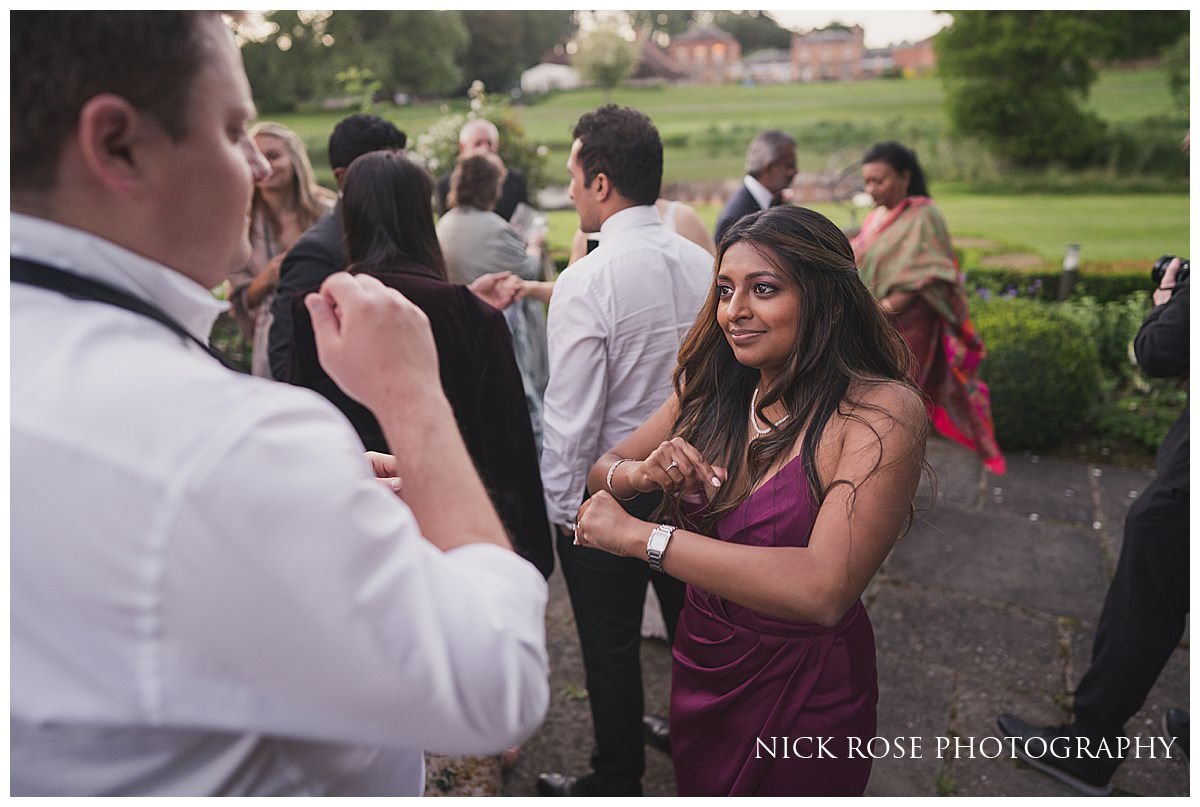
x=211, y=591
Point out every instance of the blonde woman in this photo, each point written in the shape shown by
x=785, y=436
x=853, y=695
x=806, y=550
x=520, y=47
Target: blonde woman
x=286, y=203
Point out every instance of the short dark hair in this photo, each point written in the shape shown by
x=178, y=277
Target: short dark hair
x=62, y=59
x=901, y=158
x=387, y=214
x=476, y=181
x=361, y=134
x=622, y=144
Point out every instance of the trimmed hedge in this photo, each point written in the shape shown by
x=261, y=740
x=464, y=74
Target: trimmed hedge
x=1042, y=284
x=1042, y=369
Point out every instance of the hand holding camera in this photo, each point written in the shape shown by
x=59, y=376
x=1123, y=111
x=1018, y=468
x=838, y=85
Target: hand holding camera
x=1168, y=272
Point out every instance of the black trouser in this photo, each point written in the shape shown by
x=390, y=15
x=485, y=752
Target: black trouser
x=608, y=594
x=1144, y=614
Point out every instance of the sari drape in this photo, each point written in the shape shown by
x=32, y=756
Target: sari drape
x=907, y=249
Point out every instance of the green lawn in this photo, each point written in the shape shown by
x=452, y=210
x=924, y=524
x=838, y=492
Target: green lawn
x=1109, y=227
x=1137, y=227
x=692, y=111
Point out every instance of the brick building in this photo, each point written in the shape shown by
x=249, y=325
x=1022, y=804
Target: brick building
x=708, y=54
x=829, y=54
x=915, y=58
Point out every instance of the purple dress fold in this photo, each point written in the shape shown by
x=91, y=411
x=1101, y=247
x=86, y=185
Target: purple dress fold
x=747, y=688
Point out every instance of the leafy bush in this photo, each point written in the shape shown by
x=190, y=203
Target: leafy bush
x=1140, y=416
x=1111, y=326
x=1042, y=369
x=437, y=147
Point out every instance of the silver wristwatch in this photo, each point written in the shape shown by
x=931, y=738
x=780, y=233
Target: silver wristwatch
x=656, y=546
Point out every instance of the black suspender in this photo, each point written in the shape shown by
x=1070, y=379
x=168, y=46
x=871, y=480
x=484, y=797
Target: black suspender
x=72, y=285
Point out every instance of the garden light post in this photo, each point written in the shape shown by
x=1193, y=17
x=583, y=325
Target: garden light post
x=1070, y=272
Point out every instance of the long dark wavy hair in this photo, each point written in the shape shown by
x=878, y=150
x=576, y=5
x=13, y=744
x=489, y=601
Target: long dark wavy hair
x=387, y=214
x=843, y=336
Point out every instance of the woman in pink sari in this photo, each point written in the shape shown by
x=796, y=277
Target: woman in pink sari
x=905, y=258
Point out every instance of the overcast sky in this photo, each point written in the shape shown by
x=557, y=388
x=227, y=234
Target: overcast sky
x=880, y=28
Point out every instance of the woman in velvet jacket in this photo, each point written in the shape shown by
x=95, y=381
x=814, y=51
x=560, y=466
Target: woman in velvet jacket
x=387, y=217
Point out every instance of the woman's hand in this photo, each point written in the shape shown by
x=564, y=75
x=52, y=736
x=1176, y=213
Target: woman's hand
x=676, y=467
x=603, y=524
x=540, y=290
x=265, y=282
x=384, y=466
x=497, y=289
x=897, y=301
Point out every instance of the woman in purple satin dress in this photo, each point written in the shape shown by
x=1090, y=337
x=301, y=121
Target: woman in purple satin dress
x=794, y=440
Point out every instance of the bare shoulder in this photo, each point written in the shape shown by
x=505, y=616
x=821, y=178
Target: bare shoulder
x=899, y=401
x=884, y=409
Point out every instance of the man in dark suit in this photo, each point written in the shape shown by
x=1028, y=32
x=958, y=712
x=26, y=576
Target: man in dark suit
x=1145, y=610
x=476, y=135
x=319, y=252
x=770, y=168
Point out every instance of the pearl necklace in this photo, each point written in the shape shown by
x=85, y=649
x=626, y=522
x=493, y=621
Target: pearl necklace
x=754, y=418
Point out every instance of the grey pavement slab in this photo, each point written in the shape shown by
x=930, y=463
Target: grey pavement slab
x=1119, y=487
x=985, y=643
x=1049, y=488
x=957, y=476
x=1043, y=566
x=985, y=767
x=915, y=700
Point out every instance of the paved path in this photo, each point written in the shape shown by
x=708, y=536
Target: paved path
x=987, y=605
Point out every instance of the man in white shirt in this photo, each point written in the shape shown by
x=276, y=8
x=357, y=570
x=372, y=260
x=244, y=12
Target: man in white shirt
x=211, y=592
x=770, y=169
x=616, y=321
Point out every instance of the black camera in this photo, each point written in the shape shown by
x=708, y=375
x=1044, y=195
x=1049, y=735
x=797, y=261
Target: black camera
x=1160, y=268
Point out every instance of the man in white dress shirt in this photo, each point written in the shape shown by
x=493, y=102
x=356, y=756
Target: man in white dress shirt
x=616, y=321
x=211, y=591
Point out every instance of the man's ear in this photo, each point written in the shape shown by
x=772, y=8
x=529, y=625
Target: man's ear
x=111, y=137
x=339, y=176
x=603, y=188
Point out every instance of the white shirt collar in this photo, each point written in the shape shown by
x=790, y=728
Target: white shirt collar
x=758, y=191
x=88, y=255
x=630, y=217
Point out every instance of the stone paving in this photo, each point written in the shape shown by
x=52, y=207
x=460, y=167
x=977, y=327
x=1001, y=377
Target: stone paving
x=987, y=605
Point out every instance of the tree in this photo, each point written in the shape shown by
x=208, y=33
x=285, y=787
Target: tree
x=606, y=58
x=1017, y=79
x=288, y=59
x=661, y=25
x=414, y=51
x=505, y=43
x=754, y=30
x=1139, y=34
x=1179, y=80
x=544, y=30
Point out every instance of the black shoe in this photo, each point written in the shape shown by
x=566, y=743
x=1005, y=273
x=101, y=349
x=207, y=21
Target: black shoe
x=1086, y=775
x=658, y=732
x=1177, y=726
